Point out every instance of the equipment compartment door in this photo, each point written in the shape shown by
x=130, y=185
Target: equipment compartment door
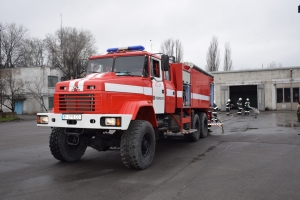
x=157, y=86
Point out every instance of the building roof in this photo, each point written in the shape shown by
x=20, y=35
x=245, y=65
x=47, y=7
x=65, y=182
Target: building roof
x=251, y=70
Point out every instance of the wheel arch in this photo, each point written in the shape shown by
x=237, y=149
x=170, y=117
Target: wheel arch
x=140, y=110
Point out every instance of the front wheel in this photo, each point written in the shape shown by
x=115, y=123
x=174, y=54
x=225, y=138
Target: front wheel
x=138, y=145
x=63, y=151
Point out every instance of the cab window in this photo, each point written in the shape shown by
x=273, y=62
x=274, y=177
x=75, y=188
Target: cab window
x=155, y=69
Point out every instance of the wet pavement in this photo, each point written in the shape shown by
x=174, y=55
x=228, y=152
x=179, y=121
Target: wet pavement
x=275, y=118
x=254, y=158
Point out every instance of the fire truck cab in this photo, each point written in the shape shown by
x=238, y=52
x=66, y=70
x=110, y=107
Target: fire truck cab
x=128, y=99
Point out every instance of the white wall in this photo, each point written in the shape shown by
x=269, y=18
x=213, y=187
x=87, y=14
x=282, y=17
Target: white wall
x=271, y=78
x=34, y=78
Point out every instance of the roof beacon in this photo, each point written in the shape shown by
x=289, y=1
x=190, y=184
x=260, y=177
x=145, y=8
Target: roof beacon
x=129, y=48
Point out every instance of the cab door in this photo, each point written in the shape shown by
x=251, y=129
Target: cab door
x=157, y=86
x=170, y=99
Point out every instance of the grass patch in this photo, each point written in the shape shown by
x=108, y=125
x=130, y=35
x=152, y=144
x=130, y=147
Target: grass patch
x=8, y=119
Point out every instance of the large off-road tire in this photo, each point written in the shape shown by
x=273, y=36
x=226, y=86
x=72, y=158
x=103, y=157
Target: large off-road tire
x=203, y=125
x=61, y=150
x=138, y=145
x=194, y=137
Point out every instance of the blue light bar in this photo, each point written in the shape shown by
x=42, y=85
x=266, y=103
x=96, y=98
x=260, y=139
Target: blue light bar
x=130, y=48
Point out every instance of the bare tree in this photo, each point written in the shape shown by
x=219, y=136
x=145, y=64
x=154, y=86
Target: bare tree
x=68, y=46
x=13, y=90
x=213, y=55
x=1, y=89
x=36, y=89
x=33, y=51
x=274, y=65
x=12, y=42
x=173, y=47
x=227, y=58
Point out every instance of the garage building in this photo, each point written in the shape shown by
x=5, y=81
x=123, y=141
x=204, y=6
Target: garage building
x=267, y=89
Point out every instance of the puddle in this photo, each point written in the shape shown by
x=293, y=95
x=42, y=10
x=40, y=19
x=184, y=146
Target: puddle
x=250, y=128
x=239, y=129
x=292, y=125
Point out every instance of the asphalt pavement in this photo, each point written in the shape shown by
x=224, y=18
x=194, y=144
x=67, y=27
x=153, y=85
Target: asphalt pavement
x=254, y=158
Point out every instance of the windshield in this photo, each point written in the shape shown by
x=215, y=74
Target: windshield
x=123, y=66
x=131, y=65
x=100, y=65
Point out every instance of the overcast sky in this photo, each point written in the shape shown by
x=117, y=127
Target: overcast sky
x=259, y=31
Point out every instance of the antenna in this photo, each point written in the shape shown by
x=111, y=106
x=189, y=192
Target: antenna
x=61, y=34
x=60, y=20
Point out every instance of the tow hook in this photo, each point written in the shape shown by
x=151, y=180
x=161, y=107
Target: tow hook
x=73, y=139
x=73, y=136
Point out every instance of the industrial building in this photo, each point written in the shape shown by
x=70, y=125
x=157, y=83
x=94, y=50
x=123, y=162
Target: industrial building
x=33, y=87
x=267, y=89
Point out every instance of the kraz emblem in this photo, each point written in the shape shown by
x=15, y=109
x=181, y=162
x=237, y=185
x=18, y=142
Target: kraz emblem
x=75, y=89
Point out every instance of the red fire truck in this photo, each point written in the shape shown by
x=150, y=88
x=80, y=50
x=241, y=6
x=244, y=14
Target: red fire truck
x=129, y=99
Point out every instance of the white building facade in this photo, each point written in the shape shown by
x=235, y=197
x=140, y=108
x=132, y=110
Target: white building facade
x=36, y=82
x=267, y=89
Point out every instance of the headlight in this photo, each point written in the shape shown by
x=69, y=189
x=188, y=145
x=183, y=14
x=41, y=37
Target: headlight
x=110, y=121
x=42, y=119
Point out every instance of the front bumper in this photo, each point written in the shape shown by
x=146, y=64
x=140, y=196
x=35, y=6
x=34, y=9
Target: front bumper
x=91, y=121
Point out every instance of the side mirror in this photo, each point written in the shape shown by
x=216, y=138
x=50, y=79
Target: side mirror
x=165, y=63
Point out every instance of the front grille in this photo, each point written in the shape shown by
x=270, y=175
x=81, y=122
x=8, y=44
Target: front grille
x=76, y=102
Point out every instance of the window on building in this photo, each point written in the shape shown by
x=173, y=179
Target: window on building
x=279, y=95
x=287, y=95
x=296, y=95
x=52, y=80
x=50, y=102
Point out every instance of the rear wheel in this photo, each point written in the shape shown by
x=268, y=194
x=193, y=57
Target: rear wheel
x=203, y=125
x=138, y=145
x=63, y=151
x=194, y=137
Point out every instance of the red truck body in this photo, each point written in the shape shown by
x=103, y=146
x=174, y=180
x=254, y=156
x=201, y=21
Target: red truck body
x=128, y=97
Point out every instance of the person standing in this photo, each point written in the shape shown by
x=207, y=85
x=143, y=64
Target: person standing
x=228, y=105
x=298, y=111
x=240, y=106
x=247, y=107
x=215, y=112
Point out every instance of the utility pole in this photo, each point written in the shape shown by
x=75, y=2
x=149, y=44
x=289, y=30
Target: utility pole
x=151, y=45
x=1, y=85
x=0, y=45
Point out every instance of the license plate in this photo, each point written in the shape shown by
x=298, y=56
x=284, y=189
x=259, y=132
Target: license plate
x=71, y=116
